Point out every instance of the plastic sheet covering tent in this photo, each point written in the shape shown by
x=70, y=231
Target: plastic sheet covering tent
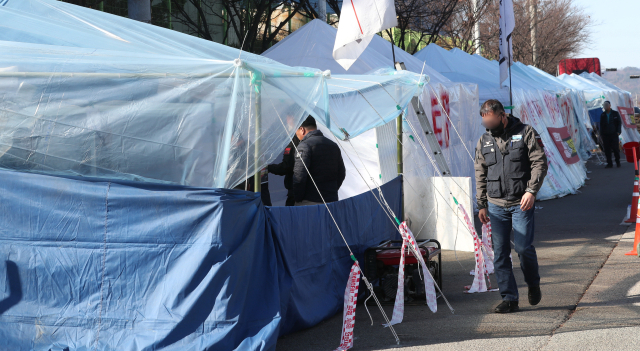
x=374, y=153
x=572, y=106
x=91, y=264
x=580, y=108
x=91, y=94
x=532, y=103
x=596, y=92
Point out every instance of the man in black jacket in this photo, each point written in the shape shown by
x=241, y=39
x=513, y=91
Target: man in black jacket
x=610, y=129
x=285, y=168
x=323, y=160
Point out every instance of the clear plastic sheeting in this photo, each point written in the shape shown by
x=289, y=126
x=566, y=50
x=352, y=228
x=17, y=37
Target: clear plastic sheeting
x=141, y=117
x=358, y=103
x=86, y=93
x=596, y=90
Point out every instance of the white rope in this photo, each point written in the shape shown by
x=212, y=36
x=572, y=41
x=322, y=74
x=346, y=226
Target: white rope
x=391, y=211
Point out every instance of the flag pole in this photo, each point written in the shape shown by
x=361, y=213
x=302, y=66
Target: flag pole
x=393, y=51
x=509, y=53
x=398, y=131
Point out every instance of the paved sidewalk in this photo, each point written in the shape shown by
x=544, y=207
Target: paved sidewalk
x=575, y=236
x=608, y=316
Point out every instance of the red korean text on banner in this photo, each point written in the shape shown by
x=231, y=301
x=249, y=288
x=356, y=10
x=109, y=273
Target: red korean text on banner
x=626, y=114
x=349, y=313
x=439, y=117
x=565, y=144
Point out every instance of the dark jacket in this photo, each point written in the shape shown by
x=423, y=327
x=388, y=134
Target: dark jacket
x=613, y=126
x=324, y=160
x=509, y=165
x=285, y=168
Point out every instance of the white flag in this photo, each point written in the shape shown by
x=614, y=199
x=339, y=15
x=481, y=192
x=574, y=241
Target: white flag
x=507, y=24
x=360, y=20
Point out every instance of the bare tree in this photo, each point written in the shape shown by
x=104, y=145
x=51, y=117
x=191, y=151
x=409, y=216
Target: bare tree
x=563, y=30
x=459, y=31
x=421, y=22
x=252, y=24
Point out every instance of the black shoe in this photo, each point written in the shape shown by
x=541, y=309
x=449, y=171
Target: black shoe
x=534, y=295
x=618, y=164
x=608, y=166
x=507, y=307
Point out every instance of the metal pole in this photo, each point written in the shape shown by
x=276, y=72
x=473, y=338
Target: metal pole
x=257, y=86
x=509, y=53
x=393, y=51
x=322, y=10
x=400, y=66
x=398, y=143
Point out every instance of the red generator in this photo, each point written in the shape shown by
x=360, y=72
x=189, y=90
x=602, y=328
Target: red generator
x=577, y=66
x=381, y=265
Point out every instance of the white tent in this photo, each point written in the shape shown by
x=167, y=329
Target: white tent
x=596, y=91
x=312, y=46
x=573, y=107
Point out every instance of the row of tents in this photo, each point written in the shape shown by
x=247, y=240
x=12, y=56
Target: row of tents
x=459, y=82
x=120, y=142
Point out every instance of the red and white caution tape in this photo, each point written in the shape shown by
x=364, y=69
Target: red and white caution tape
x=429, y=284
x=487, y=247
x=349, y=313
x=398, y=306
x=479, y=283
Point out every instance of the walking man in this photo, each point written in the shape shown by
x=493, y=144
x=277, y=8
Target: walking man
x=610, y=129
x=510, y=167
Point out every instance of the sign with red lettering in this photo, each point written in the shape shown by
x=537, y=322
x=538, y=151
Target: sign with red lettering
x=440, y=113
x=349, y=312
x=565, y=144
x=625, y=114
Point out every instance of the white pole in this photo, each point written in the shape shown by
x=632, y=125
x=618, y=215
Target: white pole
x=533, y=13
x=476, y=27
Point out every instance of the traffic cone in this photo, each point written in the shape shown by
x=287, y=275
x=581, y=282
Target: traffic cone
x=636, y=241
x=634, y=200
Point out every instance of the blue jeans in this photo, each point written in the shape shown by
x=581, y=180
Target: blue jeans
x=503, y=220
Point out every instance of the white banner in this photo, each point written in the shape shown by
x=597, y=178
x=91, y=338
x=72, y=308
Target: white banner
x=408, y=240
x=360, y=20
x=507, y=24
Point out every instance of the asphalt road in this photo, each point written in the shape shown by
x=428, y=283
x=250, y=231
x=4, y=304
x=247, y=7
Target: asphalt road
x=574, y=237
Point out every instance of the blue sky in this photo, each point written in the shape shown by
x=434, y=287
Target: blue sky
x=615, y=35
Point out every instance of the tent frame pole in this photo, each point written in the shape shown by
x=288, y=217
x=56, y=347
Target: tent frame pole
x=399, y=66
x=256, y=83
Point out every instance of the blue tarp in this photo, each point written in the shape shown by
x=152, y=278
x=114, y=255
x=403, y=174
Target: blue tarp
x=90, y=264
x=594, y=114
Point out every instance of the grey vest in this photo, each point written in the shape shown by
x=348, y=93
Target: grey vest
x=507, y=174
